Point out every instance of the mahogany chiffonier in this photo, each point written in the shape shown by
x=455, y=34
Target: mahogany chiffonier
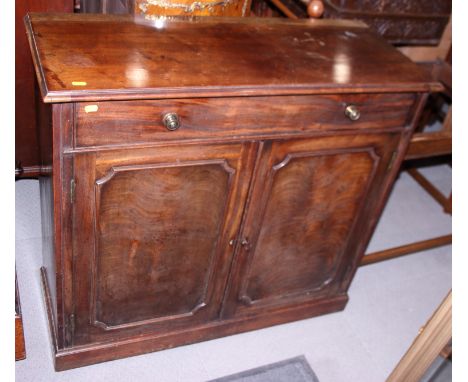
x=207, y=177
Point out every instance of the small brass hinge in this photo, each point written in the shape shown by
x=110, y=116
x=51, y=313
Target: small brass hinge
x=72, y=190
x=392, y=161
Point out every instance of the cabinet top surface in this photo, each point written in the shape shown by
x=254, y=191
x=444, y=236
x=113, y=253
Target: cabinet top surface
x=82, y=57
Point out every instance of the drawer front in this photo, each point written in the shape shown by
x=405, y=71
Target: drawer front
x=139, y=122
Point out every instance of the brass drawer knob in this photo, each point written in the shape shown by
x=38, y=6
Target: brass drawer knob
x=171, y=121
x=352, y=112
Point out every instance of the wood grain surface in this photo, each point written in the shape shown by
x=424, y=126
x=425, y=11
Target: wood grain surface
x=157, y=228
x=120, y=57
x=138, y=122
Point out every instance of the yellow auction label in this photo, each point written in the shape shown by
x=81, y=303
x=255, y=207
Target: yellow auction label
x=91, y=108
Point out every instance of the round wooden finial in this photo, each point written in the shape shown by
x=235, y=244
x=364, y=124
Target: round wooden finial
x=315, y=9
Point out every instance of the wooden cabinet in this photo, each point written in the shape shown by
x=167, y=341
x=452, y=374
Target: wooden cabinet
x=191, y=195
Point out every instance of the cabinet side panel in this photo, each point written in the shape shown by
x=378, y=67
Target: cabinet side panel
x=54, y=127
x=44, y=121
x=47, y=220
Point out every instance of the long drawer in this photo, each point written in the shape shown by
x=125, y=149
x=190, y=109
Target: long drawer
x=133, y=122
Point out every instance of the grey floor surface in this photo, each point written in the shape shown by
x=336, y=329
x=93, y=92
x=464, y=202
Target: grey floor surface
x=389, y=303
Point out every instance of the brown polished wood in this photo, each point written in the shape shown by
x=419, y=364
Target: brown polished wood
x=202, y=118
x=20, y=349
x=209, y=195
x=210, y=61
x=187, y=203
x=181, y=285
x=26, y=134
x=312, y=196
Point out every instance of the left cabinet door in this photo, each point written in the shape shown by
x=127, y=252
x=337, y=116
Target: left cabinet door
x=152, y=237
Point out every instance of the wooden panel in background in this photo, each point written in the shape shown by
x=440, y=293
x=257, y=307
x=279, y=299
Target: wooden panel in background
x=431, y=53
x=401, y=22
x=106, y=6
x=26, y=135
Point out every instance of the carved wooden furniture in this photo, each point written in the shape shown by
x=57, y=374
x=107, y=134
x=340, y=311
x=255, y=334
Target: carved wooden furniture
x=150, y=9
x=401, y=22
x=20, y=350
x=203, y=181
x=431, y=53
x=155, y=8
x=107, y=6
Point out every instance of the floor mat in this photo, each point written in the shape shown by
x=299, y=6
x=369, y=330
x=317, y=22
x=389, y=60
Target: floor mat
x=291, y=370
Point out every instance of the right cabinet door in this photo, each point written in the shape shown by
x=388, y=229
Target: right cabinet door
x=310, y=203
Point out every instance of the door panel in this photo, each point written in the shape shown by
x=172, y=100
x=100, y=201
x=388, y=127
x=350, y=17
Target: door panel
x=157, y=231
x=310, y=195
x=309, y=211
x=161, y=224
